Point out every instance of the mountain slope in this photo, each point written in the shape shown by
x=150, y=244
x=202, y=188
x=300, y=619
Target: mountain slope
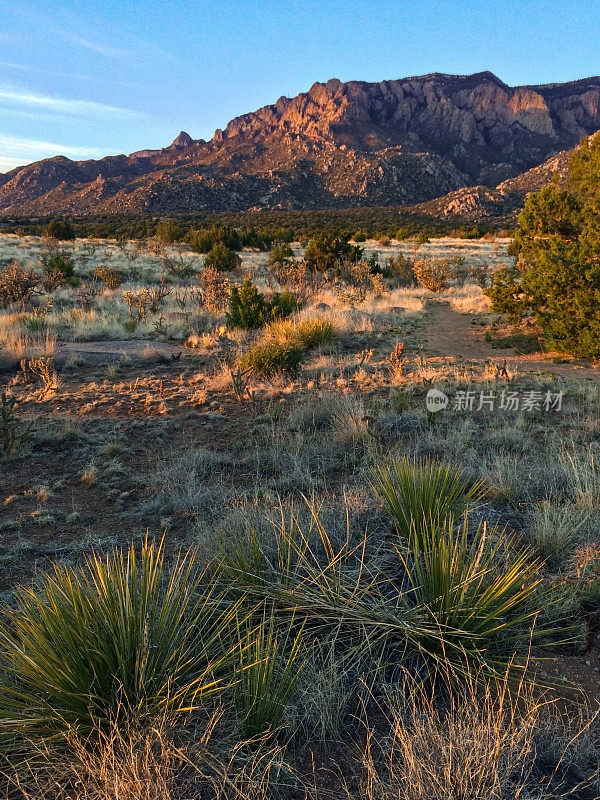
x=481, y=203
x=350, y=144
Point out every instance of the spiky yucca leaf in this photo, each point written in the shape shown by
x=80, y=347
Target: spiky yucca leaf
x=269, y=665
x=474, y=585
x=420, y=494
x=118, y=639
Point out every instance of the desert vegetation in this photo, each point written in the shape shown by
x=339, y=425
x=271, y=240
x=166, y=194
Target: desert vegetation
x=244, y=556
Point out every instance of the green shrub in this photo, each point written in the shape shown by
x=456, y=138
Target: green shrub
x=360, y=237
x=123, y=639
x=59, y=229
x=59, y=267
x=326, y=252
x=272, y=357
x=280, y=254
x=282, y=305
x=203, y=240
x=222, y=258
x=169, y=230
x=247, y=306
x=249, y=309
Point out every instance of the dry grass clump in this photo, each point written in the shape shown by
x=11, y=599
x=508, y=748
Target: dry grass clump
x=270, y=358
x=121, y=764
x=305, y=333
x=480, y=744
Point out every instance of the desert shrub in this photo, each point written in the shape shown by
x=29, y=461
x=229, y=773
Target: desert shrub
x=215, y=289
x=270, y=358
x=59, y=229
x=385, y=241
x=360, y=237
x=121, y=640
x=420, y=494
x=479, y=274
x=582, y=576
x=169, y=230
x=268, y=667
x=296, y=277
x=222, y=258
x=14, y=433
x=433, y=274
x=203, y=240
x=280, y=254
x=326, y=252
x=109, y=276
x=306, y=333
x=249, y=309
x=17, y=284
x=59, y=268
x=355, y=279
x=400, y=271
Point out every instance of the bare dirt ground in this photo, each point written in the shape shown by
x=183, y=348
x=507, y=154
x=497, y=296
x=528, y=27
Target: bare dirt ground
x=103, y=352
x=453, y=335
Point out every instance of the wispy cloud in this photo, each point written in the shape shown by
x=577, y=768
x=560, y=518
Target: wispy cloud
x=14, y=151
x=118, y=53
x=74, y=108
x=76, y=76
x=96, y=47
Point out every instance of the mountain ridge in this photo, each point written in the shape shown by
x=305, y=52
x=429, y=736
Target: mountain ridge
x=396, y=142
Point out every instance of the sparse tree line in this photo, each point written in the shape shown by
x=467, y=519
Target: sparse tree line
x=261, y=228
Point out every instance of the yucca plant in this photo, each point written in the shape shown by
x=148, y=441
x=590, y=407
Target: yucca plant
x=464, y=599
x=269, y=664
x=473, y=585
x=120, y=639
x=420, y=494
x=304, y=576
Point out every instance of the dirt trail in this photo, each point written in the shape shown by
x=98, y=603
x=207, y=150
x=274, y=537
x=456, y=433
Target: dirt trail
x=450, y=334
x=107, y=350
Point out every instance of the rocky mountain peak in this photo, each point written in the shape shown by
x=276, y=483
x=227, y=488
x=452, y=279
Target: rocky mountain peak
x=394, y=142
x=183, y=140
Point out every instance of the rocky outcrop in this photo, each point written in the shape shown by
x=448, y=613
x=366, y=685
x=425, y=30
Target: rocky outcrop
x=396, y=142
x=481, y=204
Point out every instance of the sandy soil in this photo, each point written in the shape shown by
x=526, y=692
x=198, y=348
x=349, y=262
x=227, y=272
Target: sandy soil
x=451, y=335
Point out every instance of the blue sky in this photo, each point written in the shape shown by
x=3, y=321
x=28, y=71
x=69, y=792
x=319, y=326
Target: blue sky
x=88, y=79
